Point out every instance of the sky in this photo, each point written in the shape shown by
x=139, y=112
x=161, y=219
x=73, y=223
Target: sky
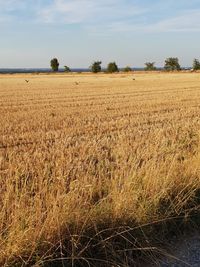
x=77, y=32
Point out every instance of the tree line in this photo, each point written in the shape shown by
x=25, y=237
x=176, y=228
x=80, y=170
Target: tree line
x=171, y=64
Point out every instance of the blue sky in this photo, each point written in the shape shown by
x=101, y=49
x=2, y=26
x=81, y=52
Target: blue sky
x=77, y=32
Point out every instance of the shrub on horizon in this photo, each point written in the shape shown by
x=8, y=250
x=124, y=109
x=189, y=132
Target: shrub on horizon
x=196, y=64
x=96, y=67
x=127, y=69
x=54, y=64
x=150, y=66
x=171, y=64
x=67, y=69
x=112, y=67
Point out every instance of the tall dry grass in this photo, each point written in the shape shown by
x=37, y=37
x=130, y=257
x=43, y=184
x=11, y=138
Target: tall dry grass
x=91, y=173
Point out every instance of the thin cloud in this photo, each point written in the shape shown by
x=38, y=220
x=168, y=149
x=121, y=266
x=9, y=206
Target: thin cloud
x=5, y=18
x=107, y=16
x=187, y=21
x=9, y=9
x=87, y=11
x=19, y=10
x=11, y=5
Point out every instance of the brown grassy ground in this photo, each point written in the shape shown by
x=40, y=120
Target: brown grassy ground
x=87, y=162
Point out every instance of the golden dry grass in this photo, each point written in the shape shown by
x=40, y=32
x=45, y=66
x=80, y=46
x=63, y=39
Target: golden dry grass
x=86, y=160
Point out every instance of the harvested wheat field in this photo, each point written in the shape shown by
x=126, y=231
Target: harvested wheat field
x=96, y=170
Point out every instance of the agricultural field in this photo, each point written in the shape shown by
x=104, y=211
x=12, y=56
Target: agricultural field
x=96, y=170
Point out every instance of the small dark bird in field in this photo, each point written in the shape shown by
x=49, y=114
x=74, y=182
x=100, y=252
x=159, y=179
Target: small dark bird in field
x=27, y=81
x=133, y=79
x=76, y=83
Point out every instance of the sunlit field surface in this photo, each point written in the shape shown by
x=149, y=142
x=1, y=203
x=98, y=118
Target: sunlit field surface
x=93, y=167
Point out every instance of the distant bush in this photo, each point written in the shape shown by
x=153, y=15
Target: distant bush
x=150, y=66
x=127, y=69
x=67, y=69
x=112, y=67
x=196, y=64
x=54, y=64
x=171, y=64
x=96, y=67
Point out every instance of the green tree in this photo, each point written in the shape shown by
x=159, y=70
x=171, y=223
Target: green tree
x=67, y=69
x=127, y=69
x=172, y=63
x=112, y=67
x=150, y=66
x=96, y=66
x=196, y=64
x=54, y=64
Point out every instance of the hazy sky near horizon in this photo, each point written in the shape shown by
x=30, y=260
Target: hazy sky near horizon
x=78, y=32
